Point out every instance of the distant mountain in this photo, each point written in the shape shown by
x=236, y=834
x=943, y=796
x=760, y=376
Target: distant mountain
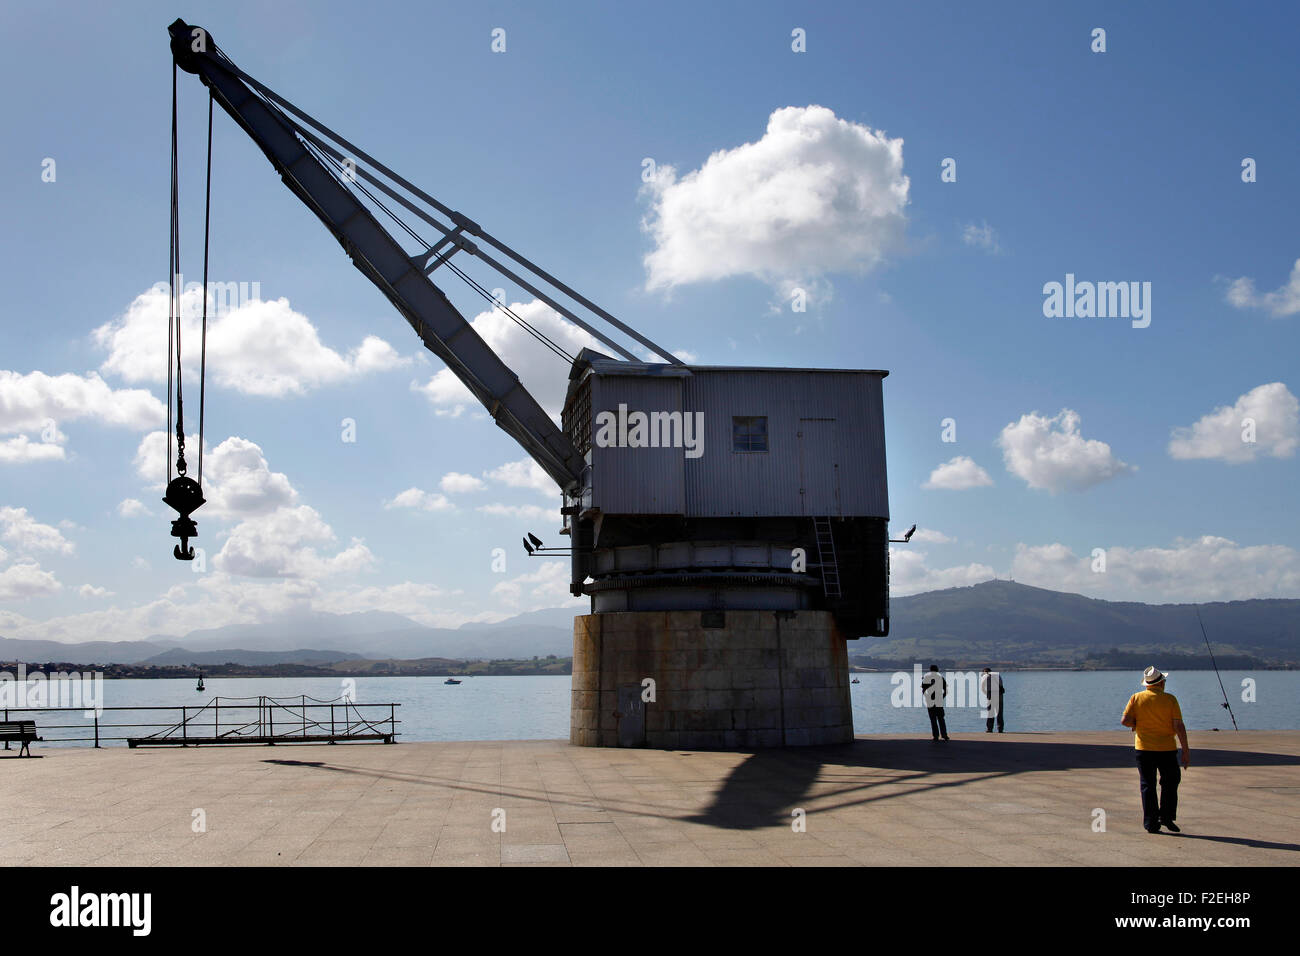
x=181, y=657
x=997, y=621
x=296, y=629
x=1006, y=621
x=91, y=652
x=319, y=637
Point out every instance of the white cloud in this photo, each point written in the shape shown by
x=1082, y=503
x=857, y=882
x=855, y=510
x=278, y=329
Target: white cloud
x=91, y=591
x=1219, y=435
x=36, y=402
x=1197, y=570
x=546, y=376
x=237, y=480
x=422, y=603
x=548, y=586
x=455, y=483
x=239, y=483
x=420, y=501
x=132, y=508
x=529, y=512
x=524, y=473
x=21, y=451
x=279, y=545
x=21, y=581
x=258, y=347
x=1284, y=300
x=815, y=195
x=958, y=474
x=982, y=236
x=1050, y=454
x=909, y=574
x=28, y=534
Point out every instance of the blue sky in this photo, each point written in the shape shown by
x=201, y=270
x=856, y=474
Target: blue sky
x=1117, y=166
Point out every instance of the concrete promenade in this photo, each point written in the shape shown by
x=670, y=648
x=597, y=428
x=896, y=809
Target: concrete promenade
x=979, y=800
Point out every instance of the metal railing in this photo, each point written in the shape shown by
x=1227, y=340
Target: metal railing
x=228, y=720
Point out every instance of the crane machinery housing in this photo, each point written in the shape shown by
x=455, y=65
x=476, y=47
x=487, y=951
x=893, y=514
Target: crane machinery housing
x=729, y=524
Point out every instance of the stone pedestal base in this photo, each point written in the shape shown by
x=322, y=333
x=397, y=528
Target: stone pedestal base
x=761, y=679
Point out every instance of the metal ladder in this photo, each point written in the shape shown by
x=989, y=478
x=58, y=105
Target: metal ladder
x=826, y=557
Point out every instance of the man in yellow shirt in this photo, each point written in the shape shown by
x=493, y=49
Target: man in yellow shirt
x=1155, y=719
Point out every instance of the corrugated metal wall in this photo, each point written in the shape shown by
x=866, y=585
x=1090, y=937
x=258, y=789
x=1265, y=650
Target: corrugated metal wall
x=647, y=481
x=835, y=467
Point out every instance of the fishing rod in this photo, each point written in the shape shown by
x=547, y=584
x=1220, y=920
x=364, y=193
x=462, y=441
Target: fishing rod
x=1226, y=705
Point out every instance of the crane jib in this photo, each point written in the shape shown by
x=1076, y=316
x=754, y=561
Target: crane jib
x=382, y=259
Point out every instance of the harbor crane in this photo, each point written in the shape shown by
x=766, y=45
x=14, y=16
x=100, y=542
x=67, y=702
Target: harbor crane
x=729, y=524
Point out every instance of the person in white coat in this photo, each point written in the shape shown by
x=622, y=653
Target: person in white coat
x=992, y=690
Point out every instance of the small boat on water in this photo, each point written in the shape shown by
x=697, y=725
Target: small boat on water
x=855, y=681
x=451, y=680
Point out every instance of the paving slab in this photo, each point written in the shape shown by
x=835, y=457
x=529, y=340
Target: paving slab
x=1068, y=799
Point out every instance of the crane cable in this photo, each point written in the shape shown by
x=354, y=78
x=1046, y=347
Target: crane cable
x=348, y=181
x=173, y=268
x=184, y=494
x=207, y=231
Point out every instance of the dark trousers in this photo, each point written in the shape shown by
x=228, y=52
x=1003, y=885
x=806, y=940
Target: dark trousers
x=988, y=723
x=937, y=726
x=1165, y=809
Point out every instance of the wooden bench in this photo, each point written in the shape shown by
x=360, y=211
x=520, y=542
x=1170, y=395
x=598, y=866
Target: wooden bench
x=20, y=731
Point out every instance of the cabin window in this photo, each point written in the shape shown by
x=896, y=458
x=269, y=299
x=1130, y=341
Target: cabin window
x=749, y=433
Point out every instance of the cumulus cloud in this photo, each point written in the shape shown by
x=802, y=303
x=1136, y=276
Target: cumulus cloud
x=983, y=237
x=909, y=573
x=132, y=508
x=258, y=347
x=21, y=581
x=1225, y=434
x=815, y=195
x=91, y=591
x=524, y=473
x=240, y=484
x=423, y=603
x=1201, y=569
x=419, y=500
x=530, y=512
x=958, y=474
x=547, y=586
x=27, y=534
x=34, y=404
x=544, y=375
x=1282, y=301
x=281, y=545
x=455, y=483
x=237, y=480
x=1050, y=454
x=21, y=450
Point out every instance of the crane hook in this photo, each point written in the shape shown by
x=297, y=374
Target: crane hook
x=184, y=496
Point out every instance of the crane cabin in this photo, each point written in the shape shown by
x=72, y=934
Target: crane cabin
x=730, y=488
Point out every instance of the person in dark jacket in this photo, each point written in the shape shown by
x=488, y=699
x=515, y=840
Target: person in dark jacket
x=933, y=691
